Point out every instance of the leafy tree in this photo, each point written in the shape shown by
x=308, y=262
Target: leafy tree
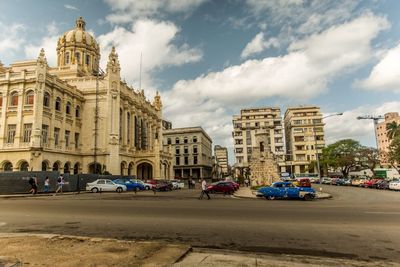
x=343, y=155
x=368, y=157
x=393, y=130
x=393, y=155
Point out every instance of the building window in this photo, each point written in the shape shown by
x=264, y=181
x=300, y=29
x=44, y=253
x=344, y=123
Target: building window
x=30, y=96
x=46, y=99
x=186, y=160
x=195, y=160
x=77, y=111
x=185, y=140
x=8, y=167
x=11, y=128
x=177, y=140
x=128, y=127
x=76, y=140
x=45, y=132
x=169, y=141
x=78, y=57
x=194, y=149
x=87, y=60
x=67, y=138
x=66, y=60
x=68, y=108
x=14, y=99
x=177, y=161
x=186, y=150
x=194, y=139
x=27, y=132
x=249, y=150
x=177, y=150
x=56, y=136
x=58, y=104
x=239, y=150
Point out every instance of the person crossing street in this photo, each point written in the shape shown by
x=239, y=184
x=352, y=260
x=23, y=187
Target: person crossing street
x=204, y=189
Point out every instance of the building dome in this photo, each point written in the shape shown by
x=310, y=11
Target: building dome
x=78, y=47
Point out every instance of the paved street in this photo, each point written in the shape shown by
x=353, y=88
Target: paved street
x=356, y=223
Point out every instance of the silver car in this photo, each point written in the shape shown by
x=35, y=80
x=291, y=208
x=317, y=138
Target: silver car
x=105, y=185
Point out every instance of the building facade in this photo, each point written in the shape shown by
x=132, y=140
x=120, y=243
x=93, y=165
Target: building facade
x=251, y=122
x=221, y=157
x=73, y=118
x=383, y=140
x=304, y=134
x=192, y=152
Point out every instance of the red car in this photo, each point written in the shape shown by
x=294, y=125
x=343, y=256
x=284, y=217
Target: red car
x=235, y=185
x=371, y=183
x=221, y=187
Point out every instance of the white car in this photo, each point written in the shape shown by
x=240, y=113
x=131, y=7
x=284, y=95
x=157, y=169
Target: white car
x=146, y=185
x=394, y=185
x=104, y=185
x=178, y=184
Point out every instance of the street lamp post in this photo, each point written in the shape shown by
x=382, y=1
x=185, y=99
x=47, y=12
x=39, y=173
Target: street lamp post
x=315, y=141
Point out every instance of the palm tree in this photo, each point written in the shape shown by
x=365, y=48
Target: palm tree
x=392, y=130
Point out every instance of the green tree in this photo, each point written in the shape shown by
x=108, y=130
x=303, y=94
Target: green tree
x=368, y=157
x=342, y=155
x=393, y=156
x=392, y=130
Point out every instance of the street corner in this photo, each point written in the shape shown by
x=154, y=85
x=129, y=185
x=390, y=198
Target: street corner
x=36, y=250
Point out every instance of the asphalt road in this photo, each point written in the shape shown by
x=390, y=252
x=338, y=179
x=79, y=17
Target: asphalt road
x=355, y=223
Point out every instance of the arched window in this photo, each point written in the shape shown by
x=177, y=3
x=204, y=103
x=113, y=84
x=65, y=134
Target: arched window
x=24, y=166
x=46, y=99
x=128, y=127
x=78, y=57
x=194, y=139
x=8, y=167
x=169, y=141
x=29, y=99
x=66, y=60
x=44, y=166
x=185, y=140
x=66, y=168
x=76, y=168
x=177, y=140
x=87, y=60
x=68, y=108
x=14, y=99
x=56, y=167
x=77, y=111
x=58, y=104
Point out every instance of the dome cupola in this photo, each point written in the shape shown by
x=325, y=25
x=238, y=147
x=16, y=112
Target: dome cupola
x=78, y=47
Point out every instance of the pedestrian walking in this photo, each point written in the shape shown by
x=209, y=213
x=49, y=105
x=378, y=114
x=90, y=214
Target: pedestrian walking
x=46, y=184
x=33, y=182
x=60, y=184
x=204, y=189
x=193, y=184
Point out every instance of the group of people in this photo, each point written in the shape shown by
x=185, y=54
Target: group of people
x=33, y=181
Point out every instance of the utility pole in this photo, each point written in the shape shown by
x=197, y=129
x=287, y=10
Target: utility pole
x=376, y=121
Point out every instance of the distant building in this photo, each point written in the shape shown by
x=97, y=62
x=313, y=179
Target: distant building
x=221, y=155
x=252, y=122
x=381, y=132
x=166, y=125
x=192, y=152
x=304, y=132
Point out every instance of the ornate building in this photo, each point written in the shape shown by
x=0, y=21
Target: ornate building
x=75, y=118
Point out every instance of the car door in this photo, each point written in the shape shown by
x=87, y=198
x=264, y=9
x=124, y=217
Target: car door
x=109, y=186
x=291, y=191
x=278, y=190
x=101, y=184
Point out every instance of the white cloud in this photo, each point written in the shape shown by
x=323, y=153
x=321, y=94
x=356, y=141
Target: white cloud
x=155, y=40
x=130, y=10
x=386, y=74
x=303, y=73
x=49, y=44
x=259, y=44
x=347, y=125
x=11, y=37
x=70, y=7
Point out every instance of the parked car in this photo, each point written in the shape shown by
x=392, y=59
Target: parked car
x=178, y=184
x=131, y=185
x=326, y=180
x=161, y=185
x=358, y=181
x=221, y=187
x=314, y=180
x=234, y=184
x=371, y=183
x=302, y=182
x=383, y=184
x=394, y=185
x=286, y=190
x=343, y=181
x=147, y=186
x=105, y=185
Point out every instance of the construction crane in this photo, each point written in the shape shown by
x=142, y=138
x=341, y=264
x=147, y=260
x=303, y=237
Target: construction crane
x=376, y=119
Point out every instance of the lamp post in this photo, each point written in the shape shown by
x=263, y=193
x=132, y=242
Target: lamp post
x=315, y=140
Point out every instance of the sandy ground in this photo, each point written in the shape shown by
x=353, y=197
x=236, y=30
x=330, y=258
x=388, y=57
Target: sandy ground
x=55, y=250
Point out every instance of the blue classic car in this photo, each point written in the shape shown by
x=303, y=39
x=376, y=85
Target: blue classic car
x=130, y=185
x=286, y=190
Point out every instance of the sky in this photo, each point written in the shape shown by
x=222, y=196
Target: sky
x=209, y=59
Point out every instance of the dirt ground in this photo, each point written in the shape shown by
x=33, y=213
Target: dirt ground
x=55, y=250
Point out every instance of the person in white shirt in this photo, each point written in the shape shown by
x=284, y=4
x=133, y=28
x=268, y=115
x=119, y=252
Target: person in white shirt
x=203, y=189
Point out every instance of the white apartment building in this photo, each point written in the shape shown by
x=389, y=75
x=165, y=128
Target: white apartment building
x=221, y=155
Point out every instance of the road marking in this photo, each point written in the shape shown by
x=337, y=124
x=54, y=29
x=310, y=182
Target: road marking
x=383, y=212
x=2, y=224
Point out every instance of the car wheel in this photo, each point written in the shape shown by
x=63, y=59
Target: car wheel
x=147, y=188
x=119, y=189
x=307, y=197
x=271, y=197
x=94, y=190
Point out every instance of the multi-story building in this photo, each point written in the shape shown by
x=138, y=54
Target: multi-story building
x=73, y=118
x=383, y=140
x=221, y=155
x=252, y=122
x=304, y=132
x=192, y=150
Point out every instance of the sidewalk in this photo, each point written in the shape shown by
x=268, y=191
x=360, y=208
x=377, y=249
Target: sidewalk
x=246, y=192
x=21, y=195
